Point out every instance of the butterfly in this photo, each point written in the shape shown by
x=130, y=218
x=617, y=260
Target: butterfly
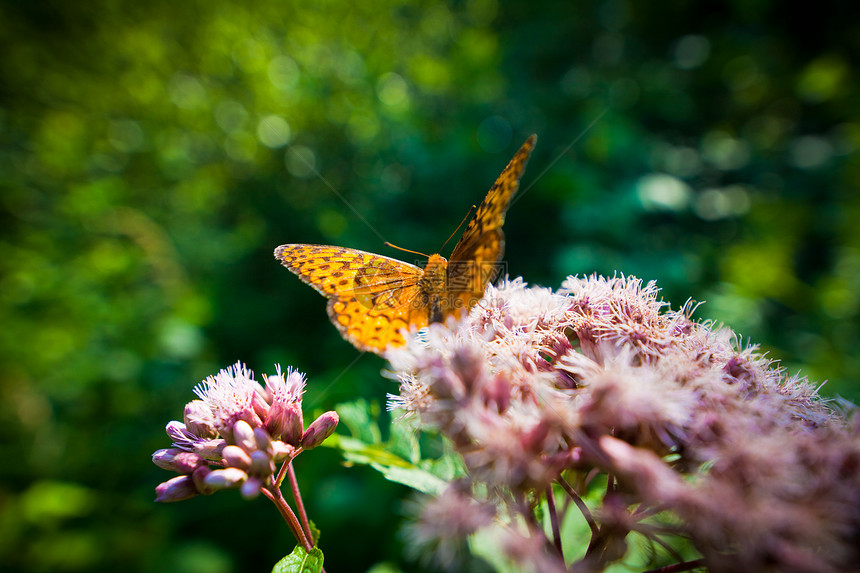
x=374, y=299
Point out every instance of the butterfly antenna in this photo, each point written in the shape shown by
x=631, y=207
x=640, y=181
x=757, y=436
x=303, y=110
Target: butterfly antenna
x=387, y=244
x=466, y=218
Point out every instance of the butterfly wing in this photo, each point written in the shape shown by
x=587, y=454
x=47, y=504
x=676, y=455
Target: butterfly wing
x=473, y=263
x=371, y=298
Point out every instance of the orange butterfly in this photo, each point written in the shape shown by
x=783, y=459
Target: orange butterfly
x=372, y=299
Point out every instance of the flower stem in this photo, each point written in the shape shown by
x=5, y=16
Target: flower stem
x=653, y=534
x=300, y=506
x=553, y=519
x=279, y=479
x=274, y=494
x=586, y=513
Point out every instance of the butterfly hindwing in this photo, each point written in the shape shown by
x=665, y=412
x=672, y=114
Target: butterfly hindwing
x=371, y=329
x=371, y=297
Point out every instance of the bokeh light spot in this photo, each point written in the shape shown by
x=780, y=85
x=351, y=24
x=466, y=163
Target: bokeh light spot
x=391, y=89
x=231, y=116
x=576, y=82
x=273, y=131
x=284, y=73
x=720, y=203
x=300, y=161
x=362, y=127
x=180, y=339
x=822, y=79
x=126, y=135
x=810, y=152
x=724, y=151
x=186, y=92
x=692, y=51
x=659, y=191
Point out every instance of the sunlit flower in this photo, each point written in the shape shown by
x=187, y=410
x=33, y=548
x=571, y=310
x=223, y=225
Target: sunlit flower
x=284, y=418
x=179, y=488
x=236, y=433
x=319, y=430
x=230, y=396
x=534, y=388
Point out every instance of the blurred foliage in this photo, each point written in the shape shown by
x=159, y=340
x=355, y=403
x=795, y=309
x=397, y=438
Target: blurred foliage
x=153, y=155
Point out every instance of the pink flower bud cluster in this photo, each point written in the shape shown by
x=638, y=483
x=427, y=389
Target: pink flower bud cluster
x=236, y=433
x=538, y=390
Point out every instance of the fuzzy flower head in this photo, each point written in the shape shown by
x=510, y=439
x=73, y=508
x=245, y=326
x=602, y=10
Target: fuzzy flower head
x=236, y=432
x=285, y=387
x=284, y=419
x=230, y=396
x=444, y=523
x=538, y=389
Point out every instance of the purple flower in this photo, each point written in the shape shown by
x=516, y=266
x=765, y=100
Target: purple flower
x=235, y=433
x=539, y=392
x=230, y=396
x=319, y=430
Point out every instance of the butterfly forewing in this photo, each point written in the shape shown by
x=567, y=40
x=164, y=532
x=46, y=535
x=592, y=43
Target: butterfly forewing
x=474, y=261
x=371, y=297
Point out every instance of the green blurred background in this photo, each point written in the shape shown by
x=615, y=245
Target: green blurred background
x=154, y=154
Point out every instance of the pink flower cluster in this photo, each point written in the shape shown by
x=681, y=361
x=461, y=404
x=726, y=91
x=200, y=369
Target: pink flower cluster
x=543, y=392
x=235, y=435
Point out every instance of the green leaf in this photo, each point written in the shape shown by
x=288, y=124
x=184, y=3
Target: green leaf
x=403, y=439
x=360, y=417
x=393, y=467
x=315, y=533
x=400, y=458
x=300, y=561
x=486, y=544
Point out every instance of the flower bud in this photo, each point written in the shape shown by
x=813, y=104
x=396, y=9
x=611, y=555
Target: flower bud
x=187, y=462
x=177, y=432
x=259, y=403
x=243, y=435
x=261, y=464
x=199, y=420
x=263, y=441
x=251, y=488
x=533, y=440
x=319, y=430
x=274, y=384
x=497, y=392
x=165, y=458
x=446, y=384
x=175, y=489
x=236, y=457
x=210, y=449
x=468, y=364
x=199, y=477
x=227, y=478
x=285, y=422
x=282, y=451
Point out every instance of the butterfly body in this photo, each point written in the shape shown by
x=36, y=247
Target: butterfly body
x=373, y=299
x=433, y=286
